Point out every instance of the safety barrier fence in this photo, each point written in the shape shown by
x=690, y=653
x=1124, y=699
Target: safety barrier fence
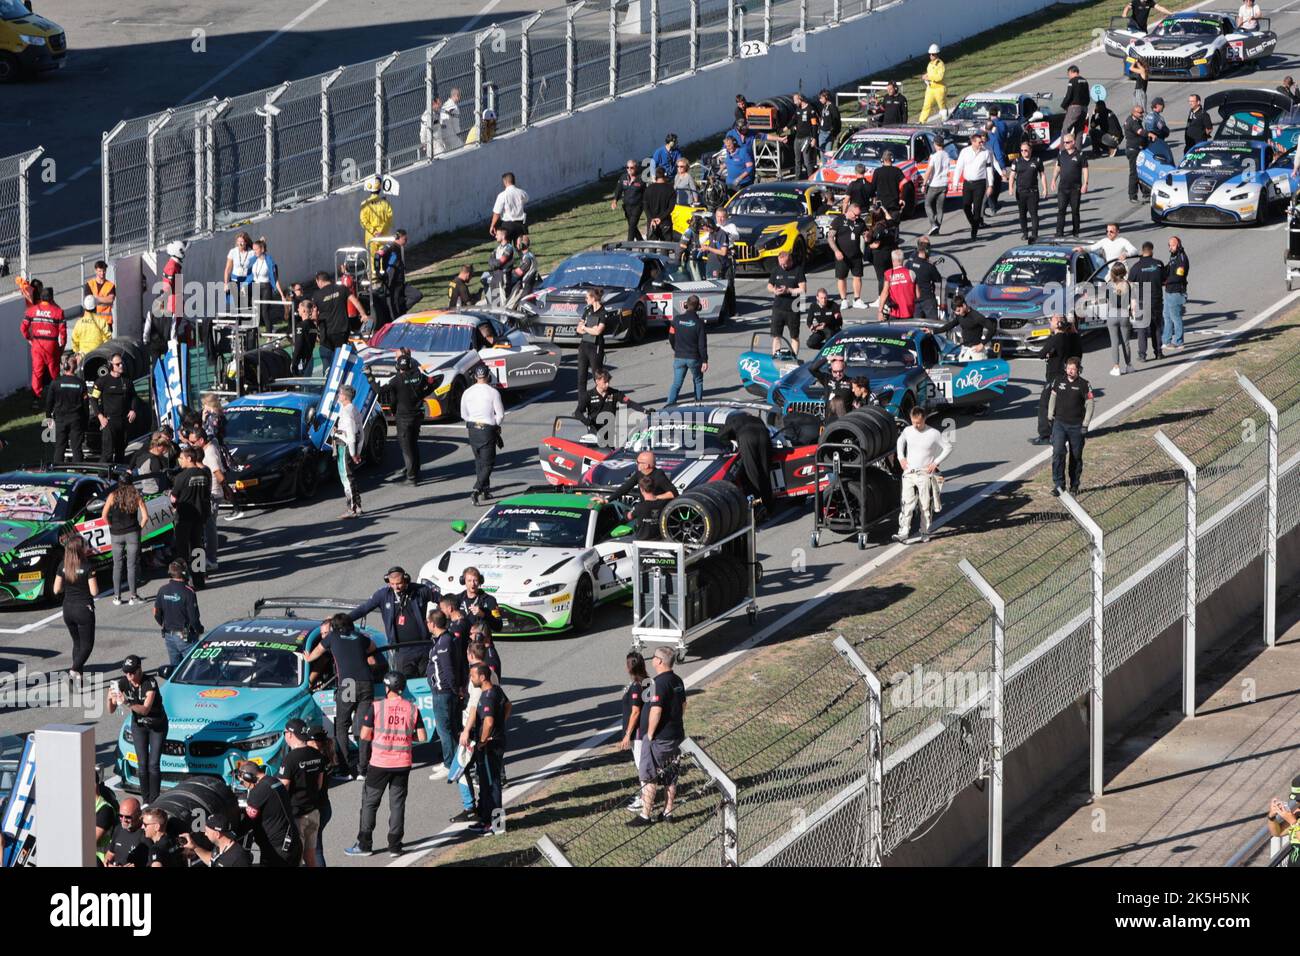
x=201, y=167
x=977, y=660
x=15, y=209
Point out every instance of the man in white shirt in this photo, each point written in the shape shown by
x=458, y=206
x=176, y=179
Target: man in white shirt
x=482, y=412
x=451, y=138
x=936, y=185
x=508, y=210
x=432, y=122
x=1248, y=16
x=921, y=449
x=1114, y=248
x=348, y=439
x=975, y=172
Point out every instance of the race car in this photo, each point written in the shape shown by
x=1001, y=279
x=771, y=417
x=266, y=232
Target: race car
x=38, y=506
x=907, y=367
x=448, y=345
x=910, y=146
x=1023, y=114
x=642, y=284
x=549, y=558
x=1189, y=45
x=229, y=698
x=278, y=442
x=773, y=218
x=1027, y=284
x=1221, y=182
x=687, y=449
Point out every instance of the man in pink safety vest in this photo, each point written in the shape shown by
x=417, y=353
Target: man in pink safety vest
x=393, y=727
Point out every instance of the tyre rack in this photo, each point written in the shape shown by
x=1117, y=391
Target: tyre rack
x=829, y=459
x=658, y=610
x=1291, y=255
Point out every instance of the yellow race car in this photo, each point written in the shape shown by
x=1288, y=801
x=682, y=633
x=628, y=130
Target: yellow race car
x=772, y=218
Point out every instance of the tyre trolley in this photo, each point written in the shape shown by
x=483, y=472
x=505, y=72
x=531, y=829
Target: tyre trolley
x=1291, y=256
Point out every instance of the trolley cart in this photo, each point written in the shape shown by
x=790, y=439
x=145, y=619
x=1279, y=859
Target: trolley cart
x=845, y=493
x=671, y=602
x=1291, y=256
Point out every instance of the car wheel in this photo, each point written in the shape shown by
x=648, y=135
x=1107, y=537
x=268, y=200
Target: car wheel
x=906, y=406
x=1216, y=66
x=636, y=330
x=584, y=606
x=308, y=482
x=376, y=442
x=800, y=252
x=452, y=404
x=10, y=69
x=909, y=202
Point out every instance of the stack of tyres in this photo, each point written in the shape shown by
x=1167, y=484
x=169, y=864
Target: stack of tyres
x=262, y=366
x=871, y=431
x=843, y=500
x=865, y=488
x=192, y=801
x=704, y=515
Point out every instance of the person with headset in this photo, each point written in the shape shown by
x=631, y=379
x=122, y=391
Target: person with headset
x=354, y=688
x=176, y=609
x=404, y=393
x=393, y=726
x=270, y=817
x=403, y=606
x=475, y=603
x=482, y=411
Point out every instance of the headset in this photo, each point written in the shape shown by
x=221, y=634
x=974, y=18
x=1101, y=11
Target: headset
x=247, y=775
x=477, y=573
x=397, y=569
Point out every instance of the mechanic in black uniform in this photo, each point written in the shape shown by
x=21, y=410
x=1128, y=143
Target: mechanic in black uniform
x=458, y=294
x=630, y=190
x=1075, y=103
x=226, y=850
x=270, y=817
x=65, y=406
x=1028, y=181
x=1070, y=409
x=928, y=281
x=1135, y=140
x=139, y=694
x=600, y=410
x=788, y=285
x=163, y=851
x=660, y=198
x=1062, y=344
x=753, y=441
x=305, y=337
x=645, y=513
x=1147, y=276
x=332, y=302
x=354, y=688
x=403, y=605
x=828, y=121
x=113, y=401
x=476, y=604
x=128, y=845
x=893, y=106
x=832, y=375
x=860, y=390
x=805, y=137
x=391, y=296
x=882, y=240
x=592, y=326
x=977, y=330
x=846, y=245
x=1070, y=180
x=859, y=191
x=404, y=393
x=1139, y=13
x=824, y=319
x=1200, y=126
x=303, y=775
x=645, y=468
x=191, y=498
x=176, y=611
x=887, y=185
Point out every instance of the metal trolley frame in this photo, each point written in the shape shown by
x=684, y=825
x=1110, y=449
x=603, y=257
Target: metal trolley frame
x=657, y=614
x=831, y=462
x=1291, y=254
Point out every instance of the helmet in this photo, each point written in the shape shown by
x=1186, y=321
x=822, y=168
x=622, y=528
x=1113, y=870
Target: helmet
x=176, y=249
x=934, y=48
x=489, y=115
x=395, y=682
x=373, y=184
x=88, y=304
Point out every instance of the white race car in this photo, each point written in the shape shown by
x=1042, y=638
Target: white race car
x=1192, y=45
x=448, y=345
x=548, y=558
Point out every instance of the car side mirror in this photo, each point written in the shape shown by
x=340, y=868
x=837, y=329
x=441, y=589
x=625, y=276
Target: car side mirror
x=1036, y=117
x=460, y=527
x=621, y=531
x=166, y=671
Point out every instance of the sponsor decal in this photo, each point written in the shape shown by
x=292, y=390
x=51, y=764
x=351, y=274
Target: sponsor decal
x=219, y=693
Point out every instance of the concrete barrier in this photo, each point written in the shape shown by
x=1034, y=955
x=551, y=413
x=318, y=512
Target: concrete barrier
x=568, y=152
x=16, y=369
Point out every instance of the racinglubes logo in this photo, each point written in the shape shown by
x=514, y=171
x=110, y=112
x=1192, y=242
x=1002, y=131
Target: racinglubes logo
x=75, y=909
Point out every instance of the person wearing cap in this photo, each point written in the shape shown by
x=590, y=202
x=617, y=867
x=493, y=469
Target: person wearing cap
x=318, y=739
x=46, y=329
x=226, y=851
x=403, y=605
x=393, y=727
x=270, y=816
x=139, y=694
x=482, y=412
x=1283, y=819
x=404, y=393
x=176, y=610
x=1154, y=124
x=65, y=409
x=936, y=92
x=354, y=655
x=303, y=775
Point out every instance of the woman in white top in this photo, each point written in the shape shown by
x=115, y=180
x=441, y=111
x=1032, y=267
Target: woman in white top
x=238, y=262
x=265, y=280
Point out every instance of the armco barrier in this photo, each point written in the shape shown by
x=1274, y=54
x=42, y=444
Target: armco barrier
x=567, y=151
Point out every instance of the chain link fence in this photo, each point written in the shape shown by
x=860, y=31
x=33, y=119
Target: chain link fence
x=15, y=230
x=206, y=166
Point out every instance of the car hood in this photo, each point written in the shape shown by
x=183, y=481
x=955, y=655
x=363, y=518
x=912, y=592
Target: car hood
x=382, y=363
x=14, y=534
x=685, y=471
x=1011, y=298
x=228, y=713
x=35, y=23
x=1172, y=45
x=504, y=568
x=1202, y=182
x=750, y=227
x=571, y=301
x=801, y=381
x=261, y=455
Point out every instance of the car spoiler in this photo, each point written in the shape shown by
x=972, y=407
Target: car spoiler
x=315, y=603
x=568, y=490
x=642, y=245
x=1267, y=101
x=77, y=468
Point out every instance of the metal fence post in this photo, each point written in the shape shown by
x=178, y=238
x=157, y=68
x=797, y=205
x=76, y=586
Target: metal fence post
x=269, y=112
x=326, y=166
x=526, y=71
x=546, y=846
x=836, y=11
x=151, y=177
x=427, y=119
x=381, y=66
x=731, y=29
x=729, y=823
x=1189, y=565
x=200, y=125
x=106, y=189
x=479, y=105
x=570, y=55
x=654, y=42
x=996, y=690
x=24, y=208
x=695, y=34
x=875, y=755
x=1096, y=710
x=803, y=16
x=767, y=21
x=1270, y=533
x=613, y=48
x=210, y=167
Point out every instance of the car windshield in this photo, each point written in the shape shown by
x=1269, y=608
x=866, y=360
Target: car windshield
x=13, y=10
x=982, y=110
x=422, y=337
x=1220, y=157
x=1244, y=124
x=1186, y=27
x=1029, y=268
x=526, y=526
x=870, y=352
x=32, y=503
x=231, y=662
x=866, y=150
x=762, y=203
x=695, y=437
x=604, y=272
x=262, y=423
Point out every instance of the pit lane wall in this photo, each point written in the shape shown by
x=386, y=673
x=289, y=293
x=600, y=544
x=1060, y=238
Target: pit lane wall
x=567, y=152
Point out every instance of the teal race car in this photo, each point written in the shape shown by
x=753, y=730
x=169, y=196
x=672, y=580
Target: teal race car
x=231, y=695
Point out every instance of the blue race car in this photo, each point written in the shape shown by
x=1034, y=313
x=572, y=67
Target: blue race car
x=906, y=367
x=230, y=697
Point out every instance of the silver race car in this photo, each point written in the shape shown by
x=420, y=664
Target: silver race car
x=1192, y=45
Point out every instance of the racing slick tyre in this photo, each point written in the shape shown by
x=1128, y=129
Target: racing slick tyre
x=584, y=606
x=840, y=512
x=871, y=430
x=636, y=329
x=134, y=356
x=453, y=401
x=307, y=483
x=376, y=442
x=195, y=799
x=800, y=252
x=1216, y=67
x=694, y=519
x=732, y=506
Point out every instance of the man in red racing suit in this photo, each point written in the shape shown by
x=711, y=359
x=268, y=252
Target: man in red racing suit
x=47, y=331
